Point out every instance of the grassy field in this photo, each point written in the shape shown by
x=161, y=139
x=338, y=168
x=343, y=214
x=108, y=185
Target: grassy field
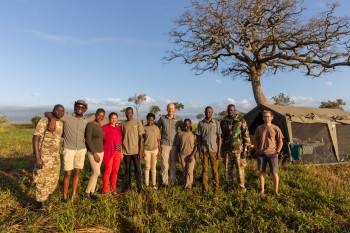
x=312, y=199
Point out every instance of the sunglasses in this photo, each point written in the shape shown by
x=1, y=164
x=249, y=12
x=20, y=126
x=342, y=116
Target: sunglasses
x=80, y=106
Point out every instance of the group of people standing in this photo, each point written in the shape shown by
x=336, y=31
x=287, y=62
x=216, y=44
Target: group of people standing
x=171, y=140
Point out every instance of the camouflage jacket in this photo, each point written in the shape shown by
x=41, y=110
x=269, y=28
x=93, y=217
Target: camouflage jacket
x=235, y=134
x=50, y=143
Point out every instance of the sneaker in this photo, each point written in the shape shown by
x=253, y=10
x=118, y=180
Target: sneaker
x=155, y=187
x=92, y=196
x=41, y=205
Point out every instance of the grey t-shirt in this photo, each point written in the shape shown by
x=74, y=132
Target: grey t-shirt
x=168, y=129
x=74, y=131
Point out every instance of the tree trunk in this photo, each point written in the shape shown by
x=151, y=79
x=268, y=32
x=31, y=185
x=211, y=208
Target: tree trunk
x=258, y=92
x=255, y=76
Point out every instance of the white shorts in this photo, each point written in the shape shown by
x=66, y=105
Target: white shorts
x=73, y=159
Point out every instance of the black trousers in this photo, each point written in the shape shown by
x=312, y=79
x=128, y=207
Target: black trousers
x=137, y=169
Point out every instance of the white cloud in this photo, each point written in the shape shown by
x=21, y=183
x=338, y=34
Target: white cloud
x=149, y=100
x=306, y=101
x=84, y=41
x=108, y=101
x=190, y=108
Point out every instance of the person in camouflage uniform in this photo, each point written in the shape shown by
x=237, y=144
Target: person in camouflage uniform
x=236, y=140
x=46, y=146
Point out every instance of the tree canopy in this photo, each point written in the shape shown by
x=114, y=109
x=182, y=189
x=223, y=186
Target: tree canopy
x=137, y=99
x=179, y=106
x=154, y=109
x=248, y=38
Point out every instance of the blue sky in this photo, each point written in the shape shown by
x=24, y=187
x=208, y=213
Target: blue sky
x=56, y=51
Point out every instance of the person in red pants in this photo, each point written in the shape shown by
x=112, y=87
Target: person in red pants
x=112, y=143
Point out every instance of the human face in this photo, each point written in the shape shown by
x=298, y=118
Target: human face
x=129, y=114
x=231, y=111
x=99, y=117
x=208, y=113
x=267, y=118
x=113, y=120
x=171, y=109
x=58, y=112
x=150, y=121
x=79, y=109
x=187, y=126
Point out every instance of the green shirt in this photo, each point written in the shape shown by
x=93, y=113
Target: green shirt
x=94, y=137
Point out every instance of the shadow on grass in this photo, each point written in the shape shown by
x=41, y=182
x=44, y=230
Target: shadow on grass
x=16, y=176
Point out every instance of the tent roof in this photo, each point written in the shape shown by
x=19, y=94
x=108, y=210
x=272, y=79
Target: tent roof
x=307, y=114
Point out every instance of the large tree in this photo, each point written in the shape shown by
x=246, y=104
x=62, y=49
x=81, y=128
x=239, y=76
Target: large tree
x=247, y=38
x=137, y=99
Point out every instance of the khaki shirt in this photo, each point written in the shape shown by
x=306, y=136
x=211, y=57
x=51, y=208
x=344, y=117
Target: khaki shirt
x=152, y=136
x=132, y=131
x=268, y=139
x=74, y=131
x=49, y=142
x=186, y=142
x=209, y=132
x=168, y=129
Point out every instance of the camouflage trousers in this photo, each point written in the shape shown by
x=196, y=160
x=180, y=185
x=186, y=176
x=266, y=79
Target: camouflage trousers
x=46, y=179
x=234, y=160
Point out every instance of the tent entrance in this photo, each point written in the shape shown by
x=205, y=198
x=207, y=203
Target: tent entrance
x=316, y=142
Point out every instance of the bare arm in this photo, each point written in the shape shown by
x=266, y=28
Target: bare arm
x=279, y=140
x=38, y=134
x=35, y=141
x=141, y=131
x=52, y=121
x=245, y=135
x=194, y=148
x=140, y=153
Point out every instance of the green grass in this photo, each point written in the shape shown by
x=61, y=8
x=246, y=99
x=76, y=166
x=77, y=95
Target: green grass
x=312, y=199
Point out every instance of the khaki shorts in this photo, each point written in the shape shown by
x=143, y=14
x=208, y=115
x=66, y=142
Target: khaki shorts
x=73, y=159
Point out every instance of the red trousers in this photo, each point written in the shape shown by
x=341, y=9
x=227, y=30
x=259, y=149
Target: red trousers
x=110, y=174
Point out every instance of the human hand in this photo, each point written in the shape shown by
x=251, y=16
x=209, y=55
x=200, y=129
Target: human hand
x=139, y=155
x=96, y=158
x=52, y=125
x=39, y=163
x=189, y=158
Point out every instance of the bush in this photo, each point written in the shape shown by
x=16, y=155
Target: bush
x=3, y=119
x=35, y=119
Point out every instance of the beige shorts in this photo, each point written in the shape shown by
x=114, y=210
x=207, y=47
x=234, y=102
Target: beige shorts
x=73, y=159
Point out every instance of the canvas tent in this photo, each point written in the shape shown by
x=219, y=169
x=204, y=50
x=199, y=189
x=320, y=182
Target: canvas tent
x=322, y=134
